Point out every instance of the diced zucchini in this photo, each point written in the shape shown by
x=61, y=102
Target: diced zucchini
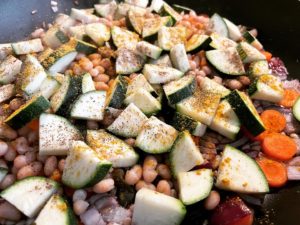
x=30, y=194
x=5, y=50
x=66, y=94
x=124, y=38
x=87, y=83
x=128, y=61
x=83, y=47
x=218, y=25
x=195, y=186
x=167, y=10
x=226, y=61
x=49, y=86
x=98, y=32
x=181, y=8
x=9, y=69
x=296, y=109
x=111, y=148
x=3, y=172
x=147, y=49
x=240, y=173
x=139, y=82
x=64, y=22
x=57, y=207
x=212, y=86
x=44, y=54
x=152, y=26
x=164, y=61
x=153, y=208
x=144, y=101
x=84, y=167
x=160, y=74
x=54, y=37
x=233, y=30
x=156, y=137
x=6, y=92
x=107, y=9
x=60, y=59
x=32, y=109
x=56, y=135
x=248, y=53
x=246, y=112
x=226, y=121
x=197, y=43
x=78, y=32
x=259, y=68
x=27, y=47
x=123, y=9
x=267, y=88
x=89, y=106
x=156, y=5
x=139, y=3
x=185, y=155
x=168, y=37
x=221, y=43
x=117, y=92
x=252, y=40
x=180, y=89
x=179, y=58
x=135, y=19
x=181, y=123
x=84, y=16
x=33, y=75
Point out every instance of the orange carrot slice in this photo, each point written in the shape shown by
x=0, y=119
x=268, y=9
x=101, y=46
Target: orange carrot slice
x=273, y=120
x=289, y=98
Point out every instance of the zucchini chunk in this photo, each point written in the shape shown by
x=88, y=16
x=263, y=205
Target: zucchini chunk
x=185, y=155
x=135, y=20
x=128, y=61
x=129, y=122
x=54, y=37
x=30, y=194
x=84, y=16
x=267, y=88
x=84, y=167
x=6, y=92
x=27, y=47
x=89, y=106
x=220, y=42
x=78, y=32
x=33, y=75
x=161, y=74
x=233, y=30
x=180, y=89
x=168, y=37
x=9, y=69
x=179, y=58
x=296, y=109
x=240, y=173
x=107, y=9
x=111, y=148
x=197, y=43
x=226, y=121
x=211, y=85
x=219, y=25
x=156, y=136
x=139, y=82
x=5, y=50
x=152, y=26
x=195, y=186
x=59, y=208
x=226, y=61
x=152, y=208
x=117, y=92
x=252, y=40
x=82, y=46
x=156, y=5
x=167, y=10
x=144, y=101
x=32, y=109
x=139, y=3
x=246, y=112
x=124, y=38
x=181, y=123
x=49, y=86
x=62, y=100
x=147, y=49
x=87, y=83
x=98, y=32
x=56, y=135
x=248, y=53
x=259, y=68
x=163, y=60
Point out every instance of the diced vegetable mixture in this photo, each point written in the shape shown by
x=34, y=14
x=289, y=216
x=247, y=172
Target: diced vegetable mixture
x=128, y=112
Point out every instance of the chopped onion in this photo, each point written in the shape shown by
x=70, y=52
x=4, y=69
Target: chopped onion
x=293, y=172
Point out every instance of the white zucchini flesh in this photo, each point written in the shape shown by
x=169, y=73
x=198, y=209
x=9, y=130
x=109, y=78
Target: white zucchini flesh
x=219, y=25
x=138, y=82
x=5, y=50
x=248, y=53
x=49, y=86
x=156, y=5
x=30, y=194
x=168, y=37
x=296, y=109
x=56, y=135
x=83, y=16
x=195, y=186
x=147, y=49
x=98, y=32
x=153, y=208
x=226, y=121
x=87, y=83
x=160, y=74
x=6, y=92
x=220, y=42
x=27, y=47
x=179, y=58
x=89, y=106
x=128, y=61
x=129, y=122
x=163, y=60
x=106, y=9
x=184, y=155
x=111, y=148
x=84, y=167
x=212, y=86
x=124, y=38
x=61, y=64
x=9, y=69
x=77, y=31
x=139, y=3
x=240, y=173
x=233, y=31
x=156, y=136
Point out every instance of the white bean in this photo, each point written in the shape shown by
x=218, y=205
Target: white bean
x=80, y=207
x=50, y=165
x=3, y=148
x=79, y=194
x=104, y=186
x=212, y=200
x=133, y=175
x=9, y=212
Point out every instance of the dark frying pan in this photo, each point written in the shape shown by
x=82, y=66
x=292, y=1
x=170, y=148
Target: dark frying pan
x=278, y=23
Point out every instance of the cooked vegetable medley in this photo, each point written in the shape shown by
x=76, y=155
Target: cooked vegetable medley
x=128, y=112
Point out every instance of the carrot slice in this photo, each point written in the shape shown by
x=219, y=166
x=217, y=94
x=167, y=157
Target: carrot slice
x=279, y=146
x=289, y=98
x=274, y=171
x=273, y=120
x=268, y=55
x=34, y=125
x=261, y=136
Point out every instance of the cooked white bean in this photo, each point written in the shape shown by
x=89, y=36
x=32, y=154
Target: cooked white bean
x=79, y=194
x=50, y=165
x=104, y=186
x=212, y=200
x=3, y=148
x=133, y=175
x=80, y=207
x=9, y=212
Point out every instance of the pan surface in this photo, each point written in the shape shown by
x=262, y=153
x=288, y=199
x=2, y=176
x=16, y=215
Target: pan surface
x=278, y=23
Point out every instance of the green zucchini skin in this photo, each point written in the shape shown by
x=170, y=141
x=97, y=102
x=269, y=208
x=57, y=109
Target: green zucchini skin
x=181, y=122
x=117, y=93
x=253, y=87
x=183, y=93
